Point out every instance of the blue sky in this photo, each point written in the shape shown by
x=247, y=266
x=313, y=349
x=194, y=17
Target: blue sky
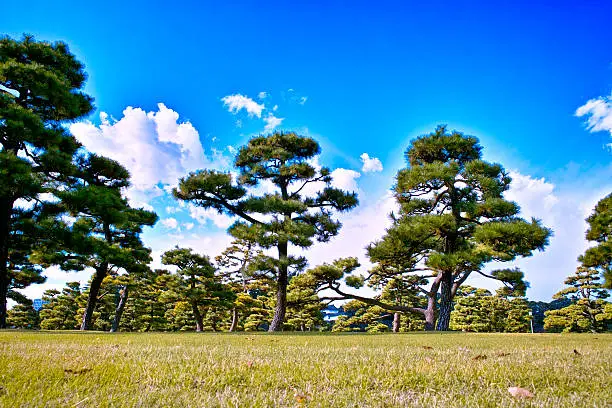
x=361, y=79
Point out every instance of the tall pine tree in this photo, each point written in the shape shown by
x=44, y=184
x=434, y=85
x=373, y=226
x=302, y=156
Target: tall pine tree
x=453, y=220
x=282, y=217
x=40, y=90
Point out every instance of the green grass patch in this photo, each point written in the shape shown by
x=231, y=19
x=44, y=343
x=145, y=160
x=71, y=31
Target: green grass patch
x=319, y=370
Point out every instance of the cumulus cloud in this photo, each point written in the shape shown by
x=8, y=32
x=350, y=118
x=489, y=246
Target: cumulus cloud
x=599, y=114
x=536, y=196
x=272, y=122
x=203, y=215
x=235, y=103
x=155, y=147
x=262, y=95
x=170, y=223
x=370, y=164
x=345, y=179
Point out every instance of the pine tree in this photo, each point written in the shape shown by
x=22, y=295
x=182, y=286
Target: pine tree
x=600, y=231
x=198, y=284
x=61, y=309
x=146, y=308
x=23, y=316
x=40, y=87
x=589, y=311
x=304, y=307
x=106, y=233
x=453, y=220
x=472, y=312
x=236, y=263
x=290, y=215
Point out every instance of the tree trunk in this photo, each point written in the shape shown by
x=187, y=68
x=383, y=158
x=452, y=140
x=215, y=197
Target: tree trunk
x=396, y=322
x=6, y=207
x=281, y=290
x=92, y=299
x=198, y=317
x=235, y=316
x=446, y=302
x=119, y=310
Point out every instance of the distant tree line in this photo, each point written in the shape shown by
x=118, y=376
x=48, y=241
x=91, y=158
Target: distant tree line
x=63, y=206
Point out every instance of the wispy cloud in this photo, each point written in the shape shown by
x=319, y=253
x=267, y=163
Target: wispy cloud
x=599, y=114
x=235, y=103
x=272, y=122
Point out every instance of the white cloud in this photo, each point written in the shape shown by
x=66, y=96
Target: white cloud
x=535, y=196
x=203, y=215
x=272, y=122
x=237, y=102
x=173, y=210
x=155, y=147
x=275, y=108
x=188, y=226
x=370, y=164
x=170, y=223
x=599, y=113
x=262, y=95
x=303, y=100
x=345, y=179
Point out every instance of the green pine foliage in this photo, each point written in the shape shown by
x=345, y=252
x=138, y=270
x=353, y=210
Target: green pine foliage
x=23, y=316
x=40, y=90
x=589, y=312
x=291, y=214
x=477, y=310
x=62, y=310
x=599, y=232
x=198, y=285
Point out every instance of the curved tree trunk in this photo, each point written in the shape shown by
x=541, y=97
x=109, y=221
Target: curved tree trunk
x=92, y=299
x=235, y=316
x=6, y=206
x=446, y=302
x=281, y=290
x=198, y=317
x=396, y=322
x=119, y=310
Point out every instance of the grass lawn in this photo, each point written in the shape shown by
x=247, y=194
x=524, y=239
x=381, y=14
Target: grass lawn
x=319, y=370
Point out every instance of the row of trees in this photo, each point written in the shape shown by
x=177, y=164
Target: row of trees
x=61, y=205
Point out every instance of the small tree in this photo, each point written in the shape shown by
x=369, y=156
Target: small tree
x=304, y=311
x=600, y=231
x=23, y=316
x=40, y=85
x=236, y=262
x=588, y=312
x=60, y=310
x=197, y=284
x=145, y=309
x=287, y=216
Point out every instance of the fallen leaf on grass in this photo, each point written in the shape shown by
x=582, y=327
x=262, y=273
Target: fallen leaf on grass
x=480, y=357
x=301, y=398
x=502, y=354
x=518, y=392
x=427, y=348
x=249, y=364
x=576, y=352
